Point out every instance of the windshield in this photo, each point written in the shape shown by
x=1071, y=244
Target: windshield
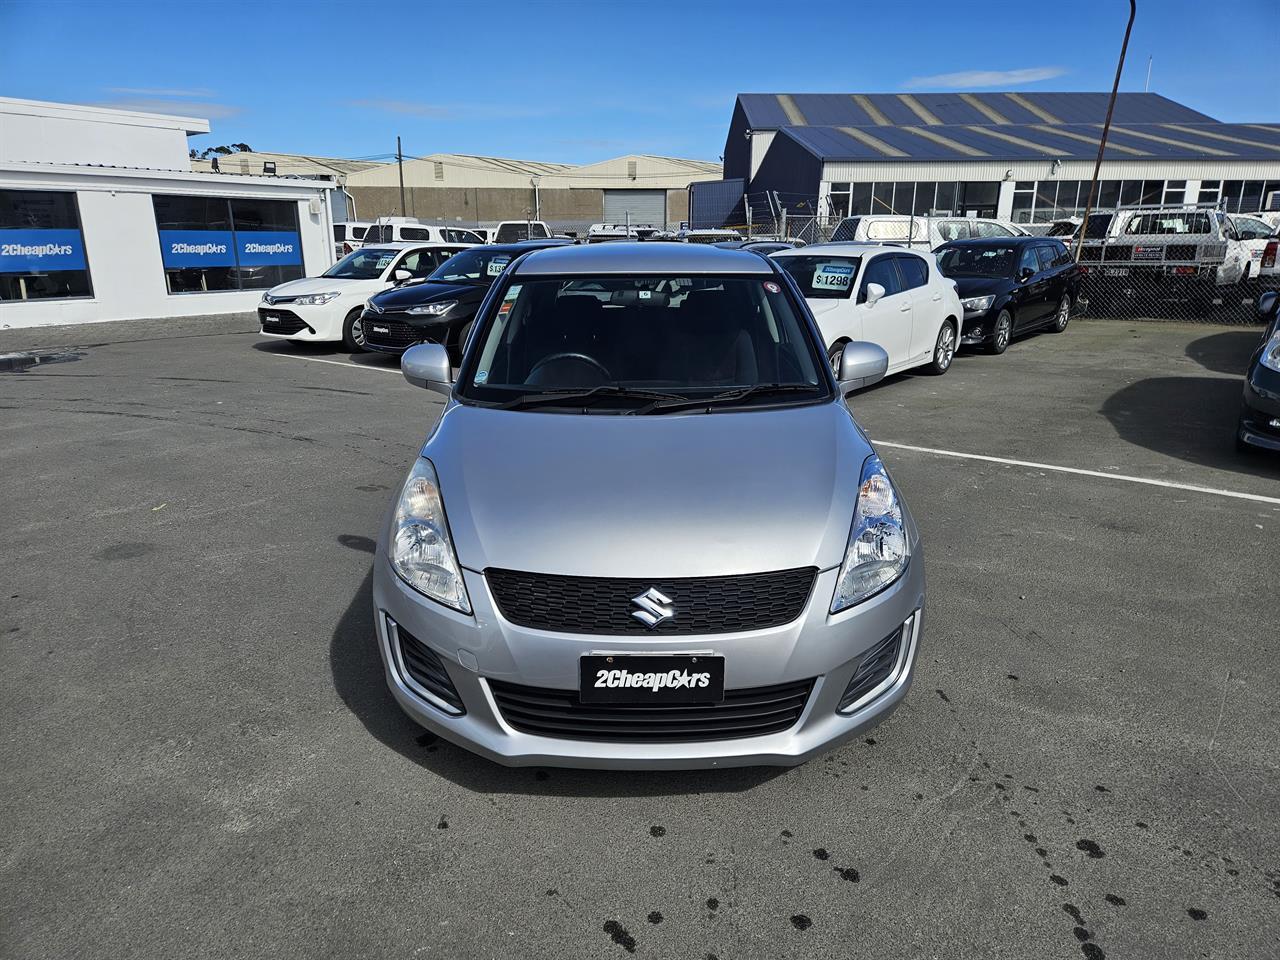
x=511, y=232
x=480, y=266
x=981, y=261
x=367, y=263
x=823, y=278
x=644, y=344
x=1161, y=223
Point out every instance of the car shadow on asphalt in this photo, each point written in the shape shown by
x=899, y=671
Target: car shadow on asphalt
x=1226, y=352
x=1189, y=418
x=359, y=680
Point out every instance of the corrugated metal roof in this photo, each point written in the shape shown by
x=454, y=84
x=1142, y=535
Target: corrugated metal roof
x=766, y=111
x=1024, y=141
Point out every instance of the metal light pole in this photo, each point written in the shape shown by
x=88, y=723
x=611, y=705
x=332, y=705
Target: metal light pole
x=400, y=164
x=1106, y=129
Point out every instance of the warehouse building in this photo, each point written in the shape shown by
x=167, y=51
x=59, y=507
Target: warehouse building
x=483, y=190
x=1026, y=157
x=102, y=218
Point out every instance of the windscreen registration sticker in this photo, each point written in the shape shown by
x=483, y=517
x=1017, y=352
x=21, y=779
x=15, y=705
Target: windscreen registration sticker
x=497, y=265
x=772, y=287
x=832, y=276
x=384, y=262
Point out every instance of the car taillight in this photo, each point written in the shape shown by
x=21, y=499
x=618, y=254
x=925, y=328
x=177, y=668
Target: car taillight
x=1183, y=271
x=1269, y=254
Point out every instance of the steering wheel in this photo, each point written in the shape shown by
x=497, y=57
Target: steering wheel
x=581, y=358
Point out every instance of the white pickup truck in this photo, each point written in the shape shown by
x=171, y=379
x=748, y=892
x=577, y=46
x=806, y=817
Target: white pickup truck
x=1170, y=253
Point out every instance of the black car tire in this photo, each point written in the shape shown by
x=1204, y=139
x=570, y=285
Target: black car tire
x=460, y=344
x=353, y=332
x=1062, y=317
x=1001, y=333
x=944, y=351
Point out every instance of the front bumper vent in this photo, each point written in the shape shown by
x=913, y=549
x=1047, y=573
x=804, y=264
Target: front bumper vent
x=390, y=334
x=422, y=669
x=752, y=712
x=881, y=664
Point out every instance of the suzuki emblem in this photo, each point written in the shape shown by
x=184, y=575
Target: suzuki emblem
x=654, y=608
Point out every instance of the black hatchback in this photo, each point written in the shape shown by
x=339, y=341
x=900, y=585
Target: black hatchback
x=440, y=309
x=1009, y=286
x=1259, y=425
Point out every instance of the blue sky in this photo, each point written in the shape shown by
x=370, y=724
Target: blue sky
x=546, y=81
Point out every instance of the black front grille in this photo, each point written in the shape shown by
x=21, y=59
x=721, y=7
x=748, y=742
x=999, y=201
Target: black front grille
x=751, y=712
x=281, y=321
x=424, y=667
x=752, y=601
x=394, y=334
x=877, y=664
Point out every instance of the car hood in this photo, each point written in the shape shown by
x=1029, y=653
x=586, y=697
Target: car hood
x=413, y=294
x=656, y=496
x=968, y=287
x=296, y=288
x=819, y=306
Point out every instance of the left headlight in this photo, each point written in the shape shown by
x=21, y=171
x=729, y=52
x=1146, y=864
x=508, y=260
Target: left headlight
x=1271, y=353
x=421, y=550
x=878, y=552
x=315, y=299
x=977, y=304
x=438, y=309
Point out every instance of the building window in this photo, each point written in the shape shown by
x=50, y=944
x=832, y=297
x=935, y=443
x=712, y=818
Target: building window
x=1175, y=191
x=1210, y=191
x=214, y=243
x=42, y=255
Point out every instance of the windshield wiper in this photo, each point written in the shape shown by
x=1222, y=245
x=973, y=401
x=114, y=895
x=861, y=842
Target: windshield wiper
x=727, y=396
x=575, y=396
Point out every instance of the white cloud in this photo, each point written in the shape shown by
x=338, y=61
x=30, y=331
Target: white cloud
x=451, y=111
x=180, y=108
x=197, y=93
x=973, y=79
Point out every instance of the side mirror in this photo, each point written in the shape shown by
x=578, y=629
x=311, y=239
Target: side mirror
x=1266, y=304
x=427, y=366
x=1025, y=274
x=862, y=363
x=401, y=275
x=874, y=292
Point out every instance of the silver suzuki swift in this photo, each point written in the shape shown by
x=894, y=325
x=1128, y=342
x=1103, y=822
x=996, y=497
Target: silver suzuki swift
x=646, y=531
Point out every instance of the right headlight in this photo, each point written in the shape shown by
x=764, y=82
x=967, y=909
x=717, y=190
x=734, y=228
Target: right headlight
x=420, y=549
x=977, y=304
x=878, y=552
x=437, y=309
x=1271, y=353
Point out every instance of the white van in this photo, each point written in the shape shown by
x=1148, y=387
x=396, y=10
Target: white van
x=929, y=232
x=412, y=230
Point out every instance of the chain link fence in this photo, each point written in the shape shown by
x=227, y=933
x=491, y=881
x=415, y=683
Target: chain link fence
x=1158, y=262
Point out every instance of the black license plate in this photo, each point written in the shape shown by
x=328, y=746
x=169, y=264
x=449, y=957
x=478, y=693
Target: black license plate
x=658, y=679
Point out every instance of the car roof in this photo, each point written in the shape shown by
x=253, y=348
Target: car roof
x=648, y=256
x=1016, y=241
x=414, y=245
x=845, y=249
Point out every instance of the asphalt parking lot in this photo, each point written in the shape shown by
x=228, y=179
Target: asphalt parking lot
x=201, y=759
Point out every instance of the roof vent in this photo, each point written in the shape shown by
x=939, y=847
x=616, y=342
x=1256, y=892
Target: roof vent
x=439, y=170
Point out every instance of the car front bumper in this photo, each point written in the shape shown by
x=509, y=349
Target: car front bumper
x=819, y=647
x=1259, y=424
x=289, y=321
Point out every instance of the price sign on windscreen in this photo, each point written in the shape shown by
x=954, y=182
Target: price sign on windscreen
x=832, y=276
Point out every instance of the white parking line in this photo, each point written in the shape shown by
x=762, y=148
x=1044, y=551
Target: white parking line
x=1214, y=491
x=338, y=363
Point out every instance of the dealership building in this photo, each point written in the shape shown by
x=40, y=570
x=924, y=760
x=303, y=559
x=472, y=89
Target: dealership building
x=102, y=218
x=1026, y=157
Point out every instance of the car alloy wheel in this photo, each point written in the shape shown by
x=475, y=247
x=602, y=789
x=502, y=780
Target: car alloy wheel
x=1003, y=331
x=353, y=332
x=833, y=357
x=1063, y=315
x=945, y=350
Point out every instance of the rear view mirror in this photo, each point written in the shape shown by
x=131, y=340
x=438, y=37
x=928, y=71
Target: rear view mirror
x=427, y=366
x=401, y=275
x=862, y=363
x=874, y=292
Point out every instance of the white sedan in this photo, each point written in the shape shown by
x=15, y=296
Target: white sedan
x=890, y=296
x=328, y=307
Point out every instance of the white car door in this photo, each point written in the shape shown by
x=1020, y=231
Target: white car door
x=1253, y=235
x=926, y=305
x=886, y=321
